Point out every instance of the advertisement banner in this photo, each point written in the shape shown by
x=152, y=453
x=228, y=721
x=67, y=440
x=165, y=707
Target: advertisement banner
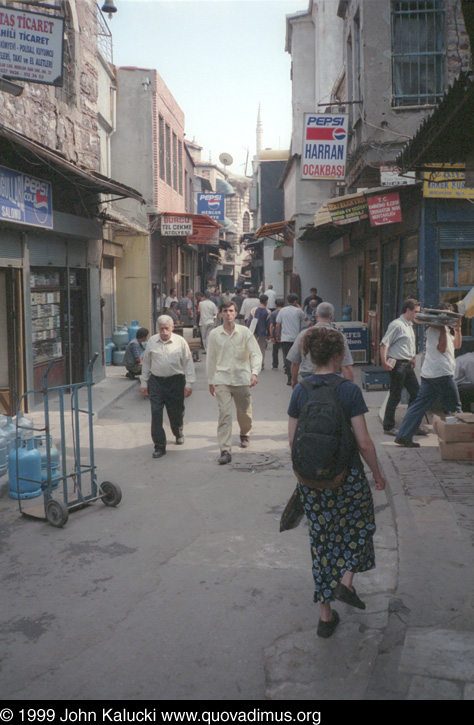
x=25, y=199
x=348, y=210
x=324, y=146
x=176, y=226
x=392, y=176
x=212, y=205
x=31, y=46
x=384, y=209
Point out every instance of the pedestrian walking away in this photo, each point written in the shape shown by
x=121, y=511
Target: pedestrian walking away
x=233, y=364
x=279, y=304
x=272, y=296
x=397, y=355
x=289, y=322
x=341, y=520
x=207, y=317
x=134, y=354
x=261, y=315
x=167, y=376
x=437, y=378
x=302, y=365
x=185, y=307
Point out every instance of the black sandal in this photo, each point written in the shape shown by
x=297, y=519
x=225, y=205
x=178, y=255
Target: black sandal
x=326, y=629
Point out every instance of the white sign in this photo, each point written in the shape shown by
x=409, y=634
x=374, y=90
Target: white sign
x=324, y=146
x=176, y=226
x=390, y=176
x=31, y=46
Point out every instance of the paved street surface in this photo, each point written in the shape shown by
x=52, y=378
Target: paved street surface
x=188, y=591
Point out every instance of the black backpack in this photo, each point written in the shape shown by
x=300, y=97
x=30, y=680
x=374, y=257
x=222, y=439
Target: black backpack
x=324, y=443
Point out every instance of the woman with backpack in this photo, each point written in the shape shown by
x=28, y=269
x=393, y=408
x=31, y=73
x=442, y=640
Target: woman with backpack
x=338, y=501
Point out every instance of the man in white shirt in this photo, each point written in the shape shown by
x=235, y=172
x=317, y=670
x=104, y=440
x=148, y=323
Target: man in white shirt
x=167, y=375
x=249, y=303
x=207, y=317
x=288, y=327
x=397, y=355
x=272, y=295
x=234, y=361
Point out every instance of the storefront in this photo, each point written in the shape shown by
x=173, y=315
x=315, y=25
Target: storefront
x=50, y=256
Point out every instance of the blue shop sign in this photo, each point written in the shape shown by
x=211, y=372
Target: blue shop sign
x=25, y=199
x=212, y=205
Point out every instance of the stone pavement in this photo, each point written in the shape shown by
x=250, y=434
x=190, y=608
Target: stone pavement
x=415, y=640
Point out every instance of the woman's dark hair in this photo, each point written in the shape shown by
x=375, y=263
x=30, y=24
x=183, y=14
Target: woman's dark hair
x=322, y=344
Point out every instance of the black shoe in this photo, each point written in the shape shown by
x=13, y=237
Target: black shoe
x=225, y=457
x=326, y=629
x=244, y=441
x=159, y=452
x=406, y=443
x=179, y=440
x=344, y=594
x=131, y=376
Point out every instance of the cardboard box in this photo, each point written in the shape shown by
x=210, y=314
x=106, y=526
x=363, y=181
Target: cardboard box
x=456, y=451
x=462, y=432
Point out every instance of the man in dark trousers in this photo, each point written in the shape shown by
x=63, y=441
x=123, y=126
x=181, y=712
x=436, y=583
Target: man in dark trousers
x=397, y=354
x=167, y=375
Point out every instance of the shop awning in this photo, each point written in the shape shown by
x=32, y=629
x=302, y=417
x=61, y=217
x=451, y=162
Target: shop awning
x=447, y=136
x=91, y=181
x=273, y=229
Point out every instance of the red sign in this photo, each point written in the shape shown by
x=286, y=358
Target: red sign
x=384, y=209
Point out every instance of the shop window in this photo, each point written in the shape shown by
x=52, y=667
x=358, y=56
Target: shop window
x=168, y=155
x=417, y=52
x=409, y=268
x=175, y=162
x=162, y=151
x=456, y=277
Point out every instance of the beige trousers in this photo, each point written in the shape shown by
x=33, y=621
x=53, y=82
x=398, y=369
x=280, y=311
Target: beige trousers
x=243, y=405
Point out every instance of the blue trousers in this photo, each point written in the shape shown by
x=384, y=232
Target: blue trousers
x=443, y=388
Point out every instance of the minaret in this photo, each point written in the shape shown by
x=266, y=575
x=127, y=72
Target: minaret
x=259, y=132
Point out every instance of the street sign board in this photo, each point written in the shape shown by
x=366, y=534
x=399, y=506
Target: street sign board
x=384, y=209
x=176, y=226
x=324, y=146
x=31, y=46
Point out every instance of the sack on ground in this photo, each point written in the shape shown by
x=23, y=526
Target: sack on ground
x=324, y=443
x=293, y=513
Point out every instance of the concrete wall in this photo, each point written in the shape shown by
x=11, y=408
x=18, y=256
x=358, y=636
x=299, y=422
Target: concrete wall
x=133, y=280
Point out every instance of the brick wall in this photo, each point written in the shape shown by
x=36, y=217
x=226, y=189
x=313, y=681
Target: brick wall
x=166, y=198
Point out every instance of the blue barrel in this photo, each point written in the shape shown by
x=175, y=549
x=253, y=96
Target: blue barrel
x=29, y=467
x=109, y=350
x=4, y=445
x=347, y=313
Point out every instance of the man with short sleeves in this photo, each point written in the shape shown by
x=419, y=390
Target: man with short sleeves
x=302, y=365
x=288, y=326
x=207, y=317
x=272, y=295
x=397, y=354
x=167, y=375
x=234, y=361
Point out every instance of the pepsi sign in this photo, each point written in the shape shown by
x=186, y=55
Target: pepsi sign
x=212, y=205
x=324, y=146
x=25, y=199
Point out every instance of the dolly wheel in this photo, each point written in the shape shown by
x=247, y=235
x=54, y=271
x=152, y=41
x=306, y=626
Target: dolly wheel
x=111, y=493
x=57, y=513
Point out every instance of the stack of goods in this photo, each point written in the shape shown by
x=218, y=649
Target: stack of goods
x=455, y=436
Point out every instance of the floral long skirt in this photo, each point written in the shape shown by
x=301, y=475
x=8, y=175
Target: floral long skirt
x=341, y=530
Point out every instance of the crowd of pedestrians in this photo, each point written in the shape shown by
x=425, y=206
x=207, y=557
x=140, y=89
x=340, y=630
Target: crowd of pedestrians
x=236, y=328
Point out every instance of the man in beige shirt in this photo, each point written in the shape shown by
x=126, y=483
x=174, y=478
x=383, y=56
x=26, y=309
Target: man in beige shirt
x=234, y=361
x=167, y=374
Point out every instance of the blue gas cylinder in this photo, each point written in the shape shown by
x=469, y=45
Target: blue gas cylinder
x=133, y=329
x=4, y=445
x=118, y=357
x=109, y=350
x=9, y=430
x=29, y=471
x=120, y=336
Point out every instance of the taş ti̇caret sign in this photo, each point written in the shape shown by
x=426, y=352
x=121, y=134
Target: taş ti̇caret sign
x=31, y=46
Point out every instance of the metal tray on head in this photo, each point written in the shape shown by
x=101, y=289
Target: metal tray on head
x=438, y=317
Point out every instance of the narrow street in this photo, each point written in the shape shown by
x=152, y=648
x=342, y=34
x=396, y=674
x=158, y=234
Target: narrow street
x=187, y=590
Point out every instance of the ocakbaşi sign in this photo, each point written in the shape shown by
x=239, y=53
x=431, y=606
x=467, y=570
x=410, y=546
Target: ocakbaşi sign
x=31, y=46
